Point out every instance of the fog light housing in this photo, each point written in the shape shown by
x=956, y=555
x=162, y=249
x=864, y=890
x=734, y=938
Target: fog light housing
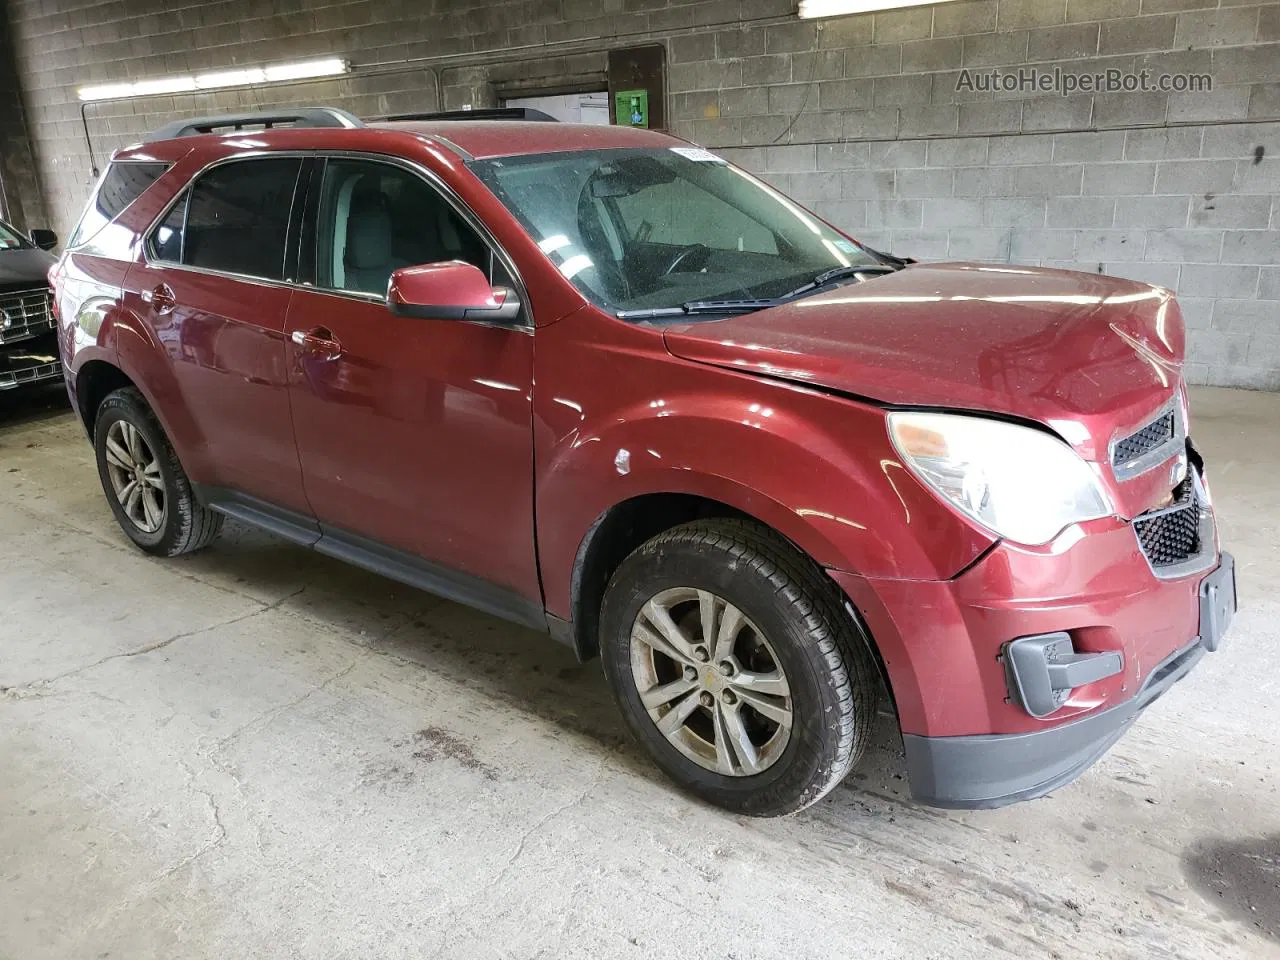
x=1043, y=670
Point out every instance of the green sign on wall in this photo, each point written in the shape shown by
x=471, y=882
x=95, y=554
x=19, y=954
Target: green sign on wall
x=631, y=108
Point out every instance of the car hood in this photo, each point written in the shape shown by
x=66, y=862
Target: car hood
x=1086, y=355
x=24, y=268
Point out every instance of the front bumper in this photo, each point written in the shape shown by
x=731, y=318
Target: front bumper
x=30, y=361
x=981, y=772
x=970, y=739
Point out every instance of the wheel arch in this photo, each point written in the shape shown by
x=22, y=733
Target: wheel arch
x=95, y=380
x=612, y=536
x=623, y=527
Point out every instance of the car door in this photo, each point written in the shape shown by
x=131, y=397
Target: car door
x=214, y=295
x=414, y=435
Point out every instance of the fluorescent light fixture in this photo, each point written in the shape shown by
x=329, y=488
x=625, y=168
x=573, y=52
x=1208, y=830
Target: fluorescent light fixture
x=217, y=80
x=146, y=88
x=810, y=9
x=230, y=78
x=107, y=91
x=305, y=70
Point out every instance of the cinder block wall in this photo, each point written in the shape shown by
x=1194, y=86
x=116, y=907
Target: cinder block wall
x=858, y=117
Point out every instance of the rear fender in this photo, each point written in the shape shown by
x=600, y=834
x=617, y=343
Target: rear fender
x=145, y=360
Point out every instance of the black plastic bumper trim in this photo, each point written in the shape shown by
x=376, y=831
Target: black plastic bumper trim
x=982, y=772
x=1044, y=669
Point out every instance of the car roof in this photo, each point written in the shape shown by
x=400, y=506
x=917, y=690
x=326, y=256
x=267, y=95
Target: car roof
x=470, y=139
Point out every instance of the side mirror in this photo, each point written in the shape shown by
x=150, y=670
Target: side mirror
x=452, y=290
x=44, y=239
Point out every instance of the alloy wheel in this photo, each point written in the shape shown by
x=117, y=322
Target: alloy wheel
x=711, y=682
x=135, y=476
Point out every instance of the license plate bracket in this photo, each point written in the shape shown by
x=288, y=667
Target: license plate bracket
x=1217, y=603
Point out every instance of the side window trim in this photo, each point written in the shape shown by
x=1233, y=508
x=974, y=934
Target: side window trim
x=186, y=212
x=299, y=212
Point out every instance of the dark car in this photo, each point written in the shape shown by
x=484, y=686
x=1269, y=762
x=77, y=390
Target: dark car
x=602, y=382
x=28, y=339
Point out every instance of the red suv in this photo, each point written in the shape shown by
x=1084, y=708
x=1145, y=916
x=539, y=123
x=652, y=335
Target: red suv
x=600, y=382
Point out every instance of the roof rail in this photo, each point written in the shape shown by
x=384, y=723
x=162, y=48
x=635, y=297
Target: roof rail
x=302, y=117
x=485, y=113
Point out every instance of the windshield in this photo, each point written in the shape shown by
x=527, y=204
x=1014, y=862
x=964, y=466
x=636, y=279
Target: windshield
x=11, y=239
x=644, y=230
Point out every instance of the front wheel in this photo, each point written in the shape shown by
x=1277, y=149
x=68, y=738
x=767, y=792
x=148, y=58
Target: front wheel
x=736, y=667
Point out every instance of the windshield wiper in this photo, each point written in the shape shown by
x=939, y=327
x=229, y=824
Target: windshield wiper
x=730, y=306
x=650, y=313
x=837, y=273
x=758, y=303
x=699, y=307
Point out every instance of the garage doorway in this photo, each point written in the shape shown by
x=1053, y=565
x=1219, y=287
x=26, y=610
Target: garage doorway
x=570, y=107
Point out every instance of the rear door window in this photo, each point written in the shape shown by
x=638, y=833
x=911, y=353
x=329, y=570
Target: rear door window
x=233, y=219
x=123, y=183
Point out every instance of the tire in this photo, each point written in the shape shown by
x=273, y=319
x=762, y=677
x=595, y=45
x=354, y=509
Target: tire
x=180, y=524
x=792, y=628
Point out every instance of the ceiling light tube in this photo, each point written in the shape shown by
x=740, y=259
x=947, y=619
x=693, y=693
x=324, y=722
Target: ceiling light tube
x=217, y=80
x=147, y=88
x=230, y=78
x=811, y=9
x=107, y=91
x=305, y=70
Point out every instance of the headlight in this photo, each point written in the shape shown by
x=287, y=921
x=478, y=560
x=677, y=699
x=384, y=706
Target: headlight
x=1022, y=484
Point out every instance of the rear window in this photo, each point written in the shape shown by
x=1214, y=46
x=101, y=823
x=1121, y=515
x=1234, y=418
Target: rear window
x=234, y=219
x=122, y=184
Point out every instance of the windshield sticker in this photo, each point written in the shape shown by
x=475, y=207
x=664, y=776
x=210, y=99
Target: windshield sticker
x=698, y=154
x=845, y=246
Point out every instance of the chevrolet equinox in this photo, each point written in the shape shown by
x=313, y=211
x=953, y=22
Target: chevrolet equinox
x=600, y=382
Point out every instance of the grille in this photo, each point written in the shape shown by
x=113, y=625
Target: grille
x=26, y=314
x=1156, y=433
x=45, y=371
x=1171, y=535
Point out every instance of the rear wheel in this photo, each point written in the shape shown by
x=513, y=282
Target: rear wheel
x=147, y=488
x=736, y=667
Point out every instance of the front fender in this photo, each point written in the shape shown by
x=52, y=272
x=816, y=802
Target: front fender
x=818, y=469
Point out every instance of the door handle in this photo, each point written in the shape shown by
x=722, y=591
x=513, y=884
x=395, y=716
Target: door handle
x=318, y=342
x=162, y=299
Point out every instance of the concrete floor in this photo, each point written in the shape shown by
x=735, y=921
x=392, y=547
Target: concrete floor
x=257, y=751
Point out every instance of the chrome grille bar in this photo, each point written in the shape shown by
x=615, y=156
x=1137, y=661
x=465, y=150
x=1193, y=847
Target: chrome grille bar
x=26, y=314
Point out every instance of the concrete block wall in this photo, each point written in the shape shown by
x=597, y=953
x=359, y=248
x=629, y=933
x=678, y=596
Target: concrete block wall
x=858, y=117
x=20, y=195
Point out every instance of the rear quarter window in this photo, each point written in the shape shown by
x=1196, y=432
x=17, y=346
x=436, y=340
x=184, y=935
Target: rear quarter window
x=123, y=183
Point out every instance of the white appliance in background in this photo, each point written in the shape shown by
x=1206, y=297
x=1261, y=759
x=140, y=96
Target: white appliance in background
x=569, y=108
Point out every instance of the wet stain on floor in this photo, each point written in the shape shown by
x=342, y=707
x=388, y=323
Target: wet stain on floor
x=1243, y=876
x=431, y=744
